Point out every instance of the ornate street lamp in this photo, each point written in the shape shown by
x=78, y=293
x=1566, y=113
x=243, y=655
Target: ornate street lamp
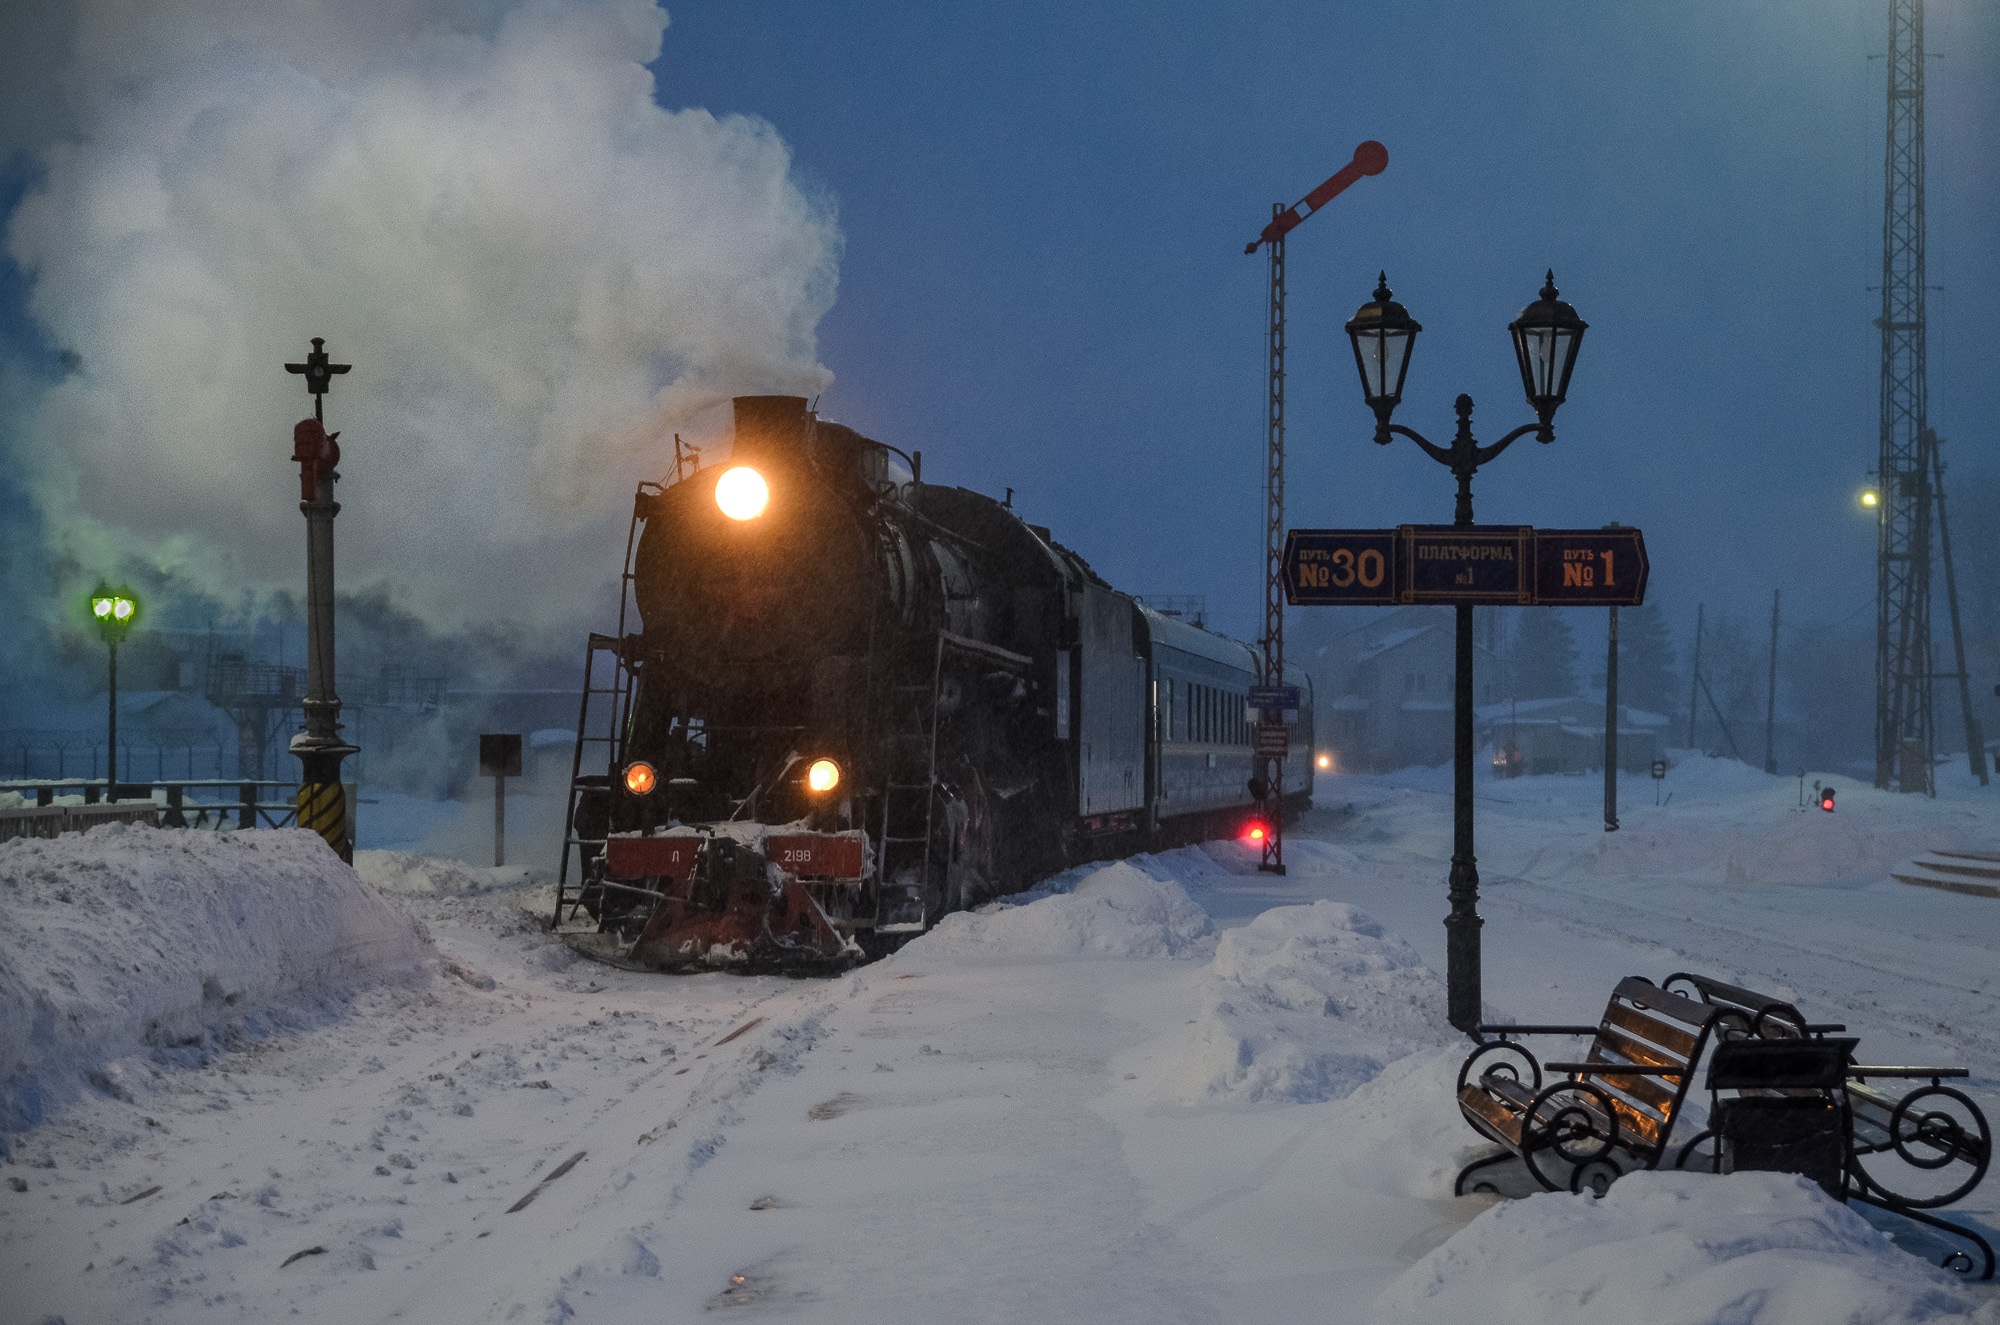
x=1546, y=336
x=1383, y=333
x=114, y=611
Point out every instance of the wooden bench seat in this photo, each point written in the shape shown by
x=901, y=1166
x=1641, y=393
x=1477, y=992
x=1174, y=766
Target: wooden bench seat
x=1610, y=1113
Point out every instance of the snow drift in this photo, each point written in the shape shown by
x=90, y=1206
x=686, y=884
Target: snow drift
x=1678, y=1249
x=1114, y=911
x=128, y=938
x=1308, y=1003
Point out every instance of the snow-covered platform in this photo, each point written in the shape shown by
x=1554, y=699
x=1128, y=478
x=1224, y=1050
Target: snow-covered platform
x=1169, y=1089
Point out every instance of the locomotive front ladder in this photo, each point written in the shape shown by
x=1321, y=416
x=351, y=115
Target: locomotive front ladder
x=908, y=802
x=601, y=723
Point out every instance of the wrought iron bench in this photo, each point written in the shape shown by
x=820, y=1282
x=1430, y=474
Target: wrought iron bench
x=1610, y=1114
x=1934, y=1129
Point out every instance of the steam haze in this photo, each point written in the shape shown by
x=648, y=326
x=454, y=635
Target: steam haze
x=537, y=272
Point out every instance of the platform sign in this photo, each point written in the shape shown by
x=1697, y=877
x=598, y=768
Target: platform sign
x=1352, y=567
x=1483, y=564
x=1590, y=567
x=1274, y=697
x=1274, y=739
x=1490, y=564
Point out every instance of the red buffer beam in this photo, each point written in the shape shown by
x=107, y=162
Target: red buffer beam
x=1371, y=158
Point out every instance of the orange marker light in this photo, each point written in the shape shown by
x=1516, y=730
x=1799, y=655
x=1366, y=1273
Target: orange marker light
x=640, y=777
x=823, y=775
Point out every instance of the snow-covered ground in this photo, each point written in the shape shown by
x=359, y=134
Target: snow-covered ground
x=1169, y=1089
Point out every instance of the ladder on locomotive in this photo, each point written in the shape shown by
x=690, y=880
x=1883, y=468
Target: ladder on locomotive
x=612, y=709
x=908, y=801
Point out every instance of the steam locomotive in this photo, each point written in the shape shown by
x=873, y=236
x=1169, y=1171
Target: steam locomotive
x=857, y=701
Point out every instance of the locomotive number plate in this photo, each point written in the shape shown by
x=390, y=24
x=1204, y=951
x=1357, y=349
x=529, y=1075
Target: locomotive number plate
x=650, y=857
x=817, y=855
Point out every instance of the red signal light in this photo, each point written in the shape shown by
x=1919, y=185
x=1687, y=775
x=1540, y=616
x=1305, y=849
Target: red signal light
x=1255, y=833
x=1826, y=799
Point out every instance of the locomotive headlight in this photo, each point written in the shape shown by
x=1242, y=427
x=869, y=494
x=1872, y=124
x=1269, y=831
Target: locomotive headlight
x=640, y=777
x=742, y=493
x=822, y=776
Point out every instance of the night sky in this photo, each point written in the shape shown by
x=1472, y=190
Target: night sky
x=1044, y=286
x=1038, y=217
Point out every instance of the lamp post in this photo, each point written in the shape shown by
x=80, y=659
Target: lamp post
x=1546, y=337
x=114, y=611
x=320, y=747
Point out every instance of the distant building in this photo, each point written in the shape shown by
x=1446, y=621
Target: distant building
x=1384, y=690
x=1567, y=736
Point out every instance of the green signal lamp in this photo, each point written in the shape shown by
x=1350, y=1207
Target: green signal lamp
x=114, y=610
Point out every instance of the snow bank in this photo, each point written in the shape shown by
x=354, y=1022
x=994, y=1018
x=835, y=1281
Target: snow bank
x=1308, y=1003
x=130, y=938
x=1678, y=1249
x=407, y=875
x=1115, y=911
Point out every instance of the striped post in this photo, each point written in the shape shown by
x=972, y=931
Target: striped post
x=323, y=810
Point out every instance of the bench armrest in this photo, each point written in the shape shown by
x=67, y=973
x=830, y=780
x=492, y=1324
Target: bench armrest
x=1538, y=1030
x=1861, y=1073
x=1617, y=1070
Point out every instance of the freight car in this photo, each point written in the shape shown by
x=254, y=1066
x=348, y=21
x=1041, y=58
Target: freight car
x=856, y=701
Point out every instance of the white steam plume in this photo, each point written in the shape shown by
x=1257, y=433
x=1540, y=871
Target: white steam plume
x=537, y=273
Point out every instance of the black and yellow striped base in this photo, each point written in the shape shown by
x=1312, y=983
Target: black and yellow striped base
x=323, y=810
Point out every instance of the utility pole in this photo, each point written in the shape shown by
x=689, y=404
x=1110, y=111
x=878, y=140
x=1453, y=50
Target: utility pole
x=320, y=747
x=1369, y=159
x=1771, y=694
x=1975, y=742
x=1611, y=727
x=1694, y=681
x=1905, y=735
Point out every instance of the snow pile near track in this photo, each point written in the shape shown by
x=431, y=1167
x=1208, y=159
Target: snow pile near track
x=1308, y=1003
x=407, y=875
x=1117, y=910
x=1678, y=1249
x=129, y=938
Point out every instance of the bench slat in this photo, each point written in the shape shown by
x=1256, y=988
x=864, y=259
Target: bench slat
x=1504, y=1122
x=1665, y=1034
x=1672, y=1007
x=1644, y=1090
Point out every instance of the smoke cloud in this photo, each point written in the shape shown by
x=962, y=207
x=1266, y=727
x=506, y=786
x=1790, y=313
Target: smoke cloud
x=538, y=274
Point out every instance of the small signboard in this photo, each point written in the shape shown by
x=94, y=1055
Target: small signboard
x=1659, y=769
x=1483, y=564
x=1355, y=567
x=1274, y=739
x=1590, y=567
x=1274, y=697
x=500, y=755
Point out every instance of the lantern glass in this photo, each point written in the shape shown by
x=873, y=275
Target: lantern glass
x=1547, y=336
x=1383, y=333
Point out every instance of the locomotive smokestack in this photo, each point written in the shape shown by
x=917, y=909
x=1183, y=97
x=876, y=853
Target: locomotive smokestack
x=770, y=429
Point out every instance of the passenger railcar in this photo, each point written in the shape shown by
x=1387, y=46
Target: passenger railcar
x=856, y=701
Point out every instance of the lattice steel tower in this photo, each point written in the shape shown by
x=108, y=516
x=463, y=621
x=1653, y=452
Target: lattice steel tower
x=1905, y=733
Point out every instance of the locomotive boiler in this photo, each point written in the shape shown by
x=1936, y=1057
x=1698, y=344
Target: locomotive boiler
x=856, y=701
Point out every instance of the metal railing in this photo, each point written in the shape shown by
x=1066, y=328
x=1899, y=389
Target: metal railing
x=217, y=803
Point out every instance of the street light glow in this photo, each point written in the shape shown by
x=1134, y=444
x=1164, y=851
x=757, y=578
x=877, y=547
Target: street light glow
x=1870, y=498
